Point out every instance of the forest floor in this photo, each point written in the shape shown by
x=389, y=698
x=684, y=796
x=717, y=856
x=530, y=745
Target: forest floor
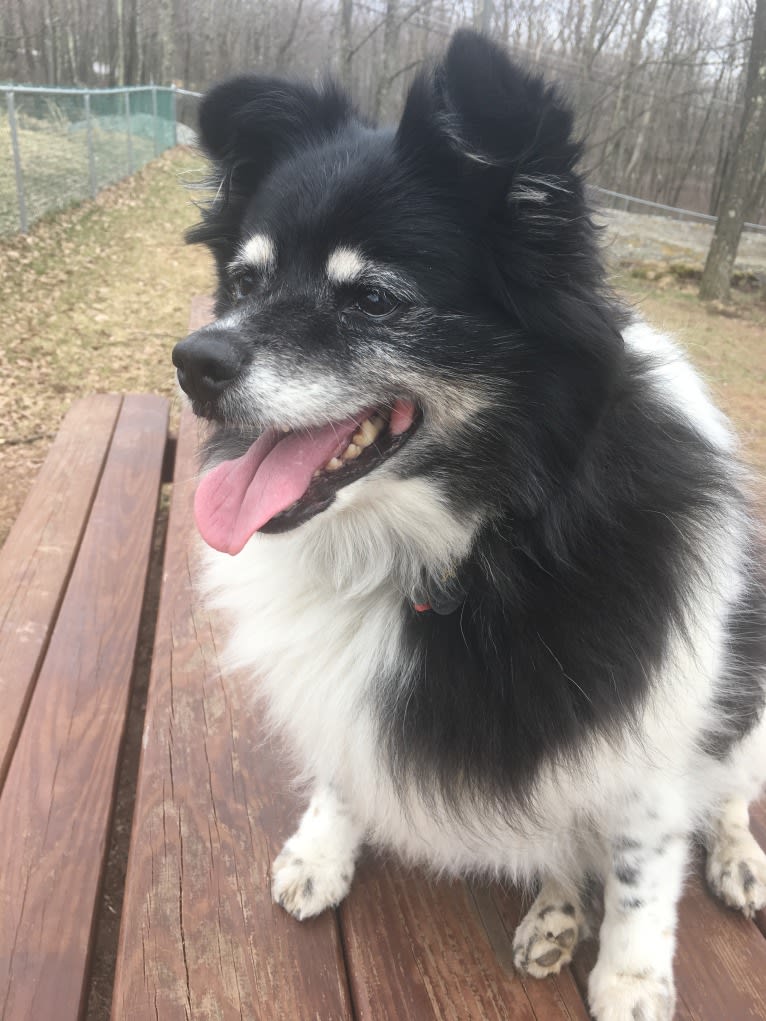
x=94, y=298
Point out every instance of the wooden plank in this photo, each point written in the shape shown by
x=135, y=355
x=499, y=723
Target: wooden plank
x=37, y=558
x=419, y=950
x=56, y=805
x=200, y=937
x=721, y=960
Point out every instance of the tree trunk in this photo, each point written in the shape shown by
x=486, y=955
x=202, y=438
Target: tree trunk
x=346, y=10
x=167, y=66
x=390, y=48
x=743, y=170
x=281, y=59
x=119, y=11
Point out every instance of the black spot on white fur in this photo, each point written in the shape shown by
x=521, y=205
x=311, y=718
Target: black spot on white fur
x=628, y=875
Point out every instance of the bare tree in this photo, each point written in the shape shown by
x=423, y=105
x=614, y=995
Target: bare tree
x=658, y=85
x=346, y=42
x=743, y=172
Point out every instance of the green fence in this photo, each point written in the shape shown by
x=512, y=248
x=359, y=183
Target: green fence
x=58, y=146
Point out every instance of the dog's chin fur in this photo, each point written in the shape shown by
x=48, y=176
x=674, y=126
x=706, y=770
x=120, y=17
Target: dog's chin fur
x=596, y=692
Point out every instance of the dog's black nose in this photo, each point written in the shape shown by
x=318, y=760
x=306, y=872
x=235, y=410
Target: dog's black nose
x=207, y=362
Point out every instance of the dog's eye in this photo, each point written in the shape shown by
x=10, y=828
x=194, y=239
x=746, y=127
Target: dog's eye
x=243, y=284
x=375, y=302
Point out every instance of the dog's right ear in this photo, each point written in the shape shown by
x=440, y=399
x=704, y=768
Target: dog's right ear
x=247, y=125
x=250, y=123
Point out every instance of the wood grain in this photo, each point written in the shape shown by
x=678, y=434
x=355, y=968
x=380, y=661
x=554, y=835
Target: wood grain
x=721, y=960
x=200, y=937
x=418, y=950
x=56, y=804
x=37, y=558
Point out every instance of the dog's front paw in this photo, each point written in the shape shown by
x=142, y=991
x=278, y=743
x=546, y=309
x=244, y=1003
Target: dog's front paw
x=305, y=882
x=546, y=938
x=736, y=871
x=620, y=996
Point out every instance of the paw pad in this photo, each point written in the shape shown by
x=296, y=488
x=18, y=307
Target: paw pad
x=545, y=940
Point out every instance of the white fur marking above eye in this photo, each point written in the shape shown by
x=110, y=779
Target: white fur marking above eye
x=345, y=265
x=259, y=251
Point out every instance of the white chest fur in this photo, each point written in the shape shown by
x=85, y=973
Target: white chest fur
x=315, y=647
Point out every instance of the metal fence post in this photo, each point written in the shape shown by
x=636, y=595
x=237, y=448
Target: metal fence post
x=129, y=132
x=23, y=223
x=174, y=111
x=91, y=154
x=154, y=116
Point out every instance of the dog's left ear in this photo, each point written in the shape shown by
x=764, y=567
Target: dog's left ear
x=247, y=125
x=493, y=121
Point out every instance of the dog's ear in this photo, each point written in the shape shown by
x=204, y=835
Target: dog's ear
x=249, y=123
x=490, y=118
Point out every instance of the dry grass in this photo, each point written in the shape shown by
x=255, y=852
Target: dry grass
x=55, y=167
x=94, y=298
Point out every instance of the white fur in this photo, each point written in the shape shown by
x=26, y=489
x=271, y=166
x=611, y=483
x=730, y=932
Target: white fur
x=736, y=864
x=316, y=865
x=523, y=193
x=678, y=384
x=318, y=615
x=292, y=395
x=345, y=265
x=259, y=251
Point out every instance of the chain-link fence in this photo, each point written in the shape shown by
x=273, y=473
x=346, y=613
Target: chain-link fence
x=58, y=146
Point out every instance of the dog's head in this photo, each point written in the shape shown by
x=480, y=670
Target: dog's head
x=417, y=305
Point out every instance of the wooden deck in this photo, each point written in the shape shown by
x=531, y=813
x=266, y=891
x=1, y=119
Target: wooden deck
x=200, y=938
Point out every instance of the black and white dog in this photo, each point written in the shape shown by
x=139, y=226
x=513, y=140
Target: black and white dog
x=482, y=533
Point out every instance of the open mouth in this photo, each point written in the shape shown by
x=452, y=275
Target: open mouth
x=286, y=477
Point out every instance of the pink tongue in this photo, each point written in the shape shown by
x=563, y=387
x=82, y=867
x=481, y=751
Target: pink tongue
x=238, y=497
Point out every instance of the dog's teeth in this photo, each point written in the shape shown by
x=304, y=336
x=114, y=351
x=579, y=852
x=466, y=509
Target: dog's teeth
x=316, y=474
x=378, y=421
x=352, y=451
x=334, y=464
x=367, y=434
x=285, y=428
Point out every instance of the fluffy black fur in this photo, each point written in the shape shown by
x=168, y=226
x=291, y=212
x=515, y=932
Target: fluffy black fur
x=593, y=494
